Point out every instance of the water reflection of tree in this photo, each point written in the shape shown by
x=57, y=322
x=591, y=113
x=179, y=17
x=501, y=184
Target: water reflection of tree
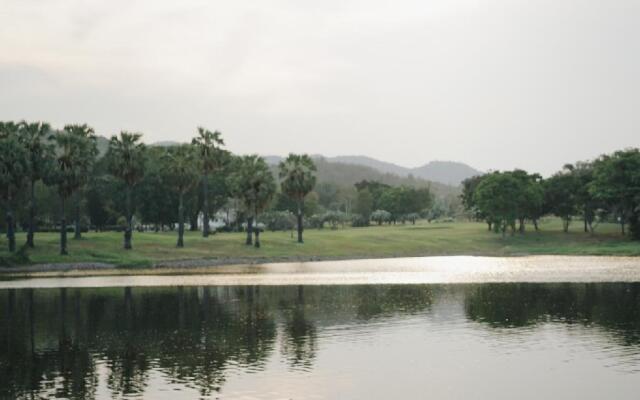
x=613, y=306
x=191, y=337
x=376, y=301
x=299, y=344
x=195, y=335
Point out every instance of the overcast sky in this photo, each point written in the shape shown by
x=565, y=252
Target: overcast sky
x=495, y=84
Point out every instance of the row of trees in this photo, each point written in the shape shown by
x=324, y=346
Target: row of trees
x=607, y=188
x=383, y=203
x=132, y=177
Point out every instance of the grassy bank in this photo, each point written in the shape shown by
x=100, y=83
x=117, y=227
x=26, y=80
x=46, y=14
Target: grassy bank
x=422, y=239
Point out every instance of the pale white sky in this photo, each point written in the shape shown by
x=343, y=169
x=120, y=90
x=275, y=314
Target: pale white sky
x=496, y=84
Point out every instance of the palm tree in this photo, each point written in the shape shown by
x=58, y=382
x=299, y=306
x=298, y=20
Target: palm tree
x=88, y=151
x=298, y=179
x=126, y=157
x=182, y=169
x=208, y=144
x=13, y=169
x=253, y=183
x=34, y=138
x=68, y=175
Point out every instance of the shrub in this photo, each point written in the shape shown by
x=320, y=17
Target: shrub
x=358, y=220
x=381, y=216
x=279, y=220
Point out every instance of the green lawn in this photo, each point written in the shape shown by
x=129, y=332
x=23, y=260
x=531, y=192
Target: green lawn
x=422, y=239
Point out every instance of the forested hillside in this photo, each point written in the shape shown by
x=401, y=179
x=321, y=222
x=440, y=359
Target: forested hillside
x=346, y=174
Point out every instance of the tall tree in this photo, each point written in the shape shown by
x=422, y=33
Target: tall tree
x=209, y=147
x=616, y=182
x=297, y=173
x=560, y=196
x=159, y=209
x=364, y=205
x=13, y=169
x=469, y=186
x=87, y=152
x=530, y=197
x=586, y=203
x=67, y=176
x=182, y=168
x=34, y=138
x=497, y=197
x=126, y=157
x=252, y=182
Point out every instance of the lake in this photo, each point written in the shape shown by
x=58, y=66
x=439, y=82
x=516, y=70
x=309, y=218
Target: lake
x=336, y=341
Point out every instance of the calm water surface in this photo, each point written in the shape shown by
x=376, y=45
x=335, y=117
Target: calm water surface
x=463, y=341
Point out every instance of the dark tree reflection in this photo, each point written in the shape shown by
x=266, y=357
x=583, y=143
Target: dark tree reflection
x=63, y=342
x=300, y=340
x=613, y=306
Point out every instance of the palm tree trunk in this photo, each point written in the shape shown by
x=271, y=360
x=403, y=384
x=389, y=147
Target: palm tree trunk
x=180, y=221
x=77, y=233
x=205, y=206
x=11, y=235
x=128, y=229
x=63, y=229
x=257, y=231
x=249, y=241
x=300, y=222
x=32, y=215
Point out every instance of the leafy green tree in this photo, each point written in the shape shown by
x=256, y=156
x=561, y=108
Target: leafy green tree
x=87, y=152
x=616, y=182
x=297, y=173
x=560, y=196
x=497, y=197
x=375, y=188
x=364, y=204
x=13, y=170
x=252, y=182
x=469, y=186
x=404, y=200
x=182, y=167
x=211, y=156
x=34, y=138
x=126, y=160
x=586, y=202
x=416, y=202
x=71, y=163
x=530, y=198
x=391, y=201
x=159, y=209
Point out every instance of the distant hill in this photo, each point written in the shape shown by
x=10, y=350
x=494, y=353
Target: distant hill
x=347, y=174
x=447, y=172
x=443, y=177
x=381, y=166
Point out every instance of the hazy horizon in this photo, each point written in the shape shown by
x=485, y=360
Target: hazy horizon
x=496, y=85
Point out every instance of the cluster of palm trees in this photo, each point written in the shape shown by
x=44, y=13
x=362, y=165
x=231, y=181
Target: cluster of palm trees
x=32, y=152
